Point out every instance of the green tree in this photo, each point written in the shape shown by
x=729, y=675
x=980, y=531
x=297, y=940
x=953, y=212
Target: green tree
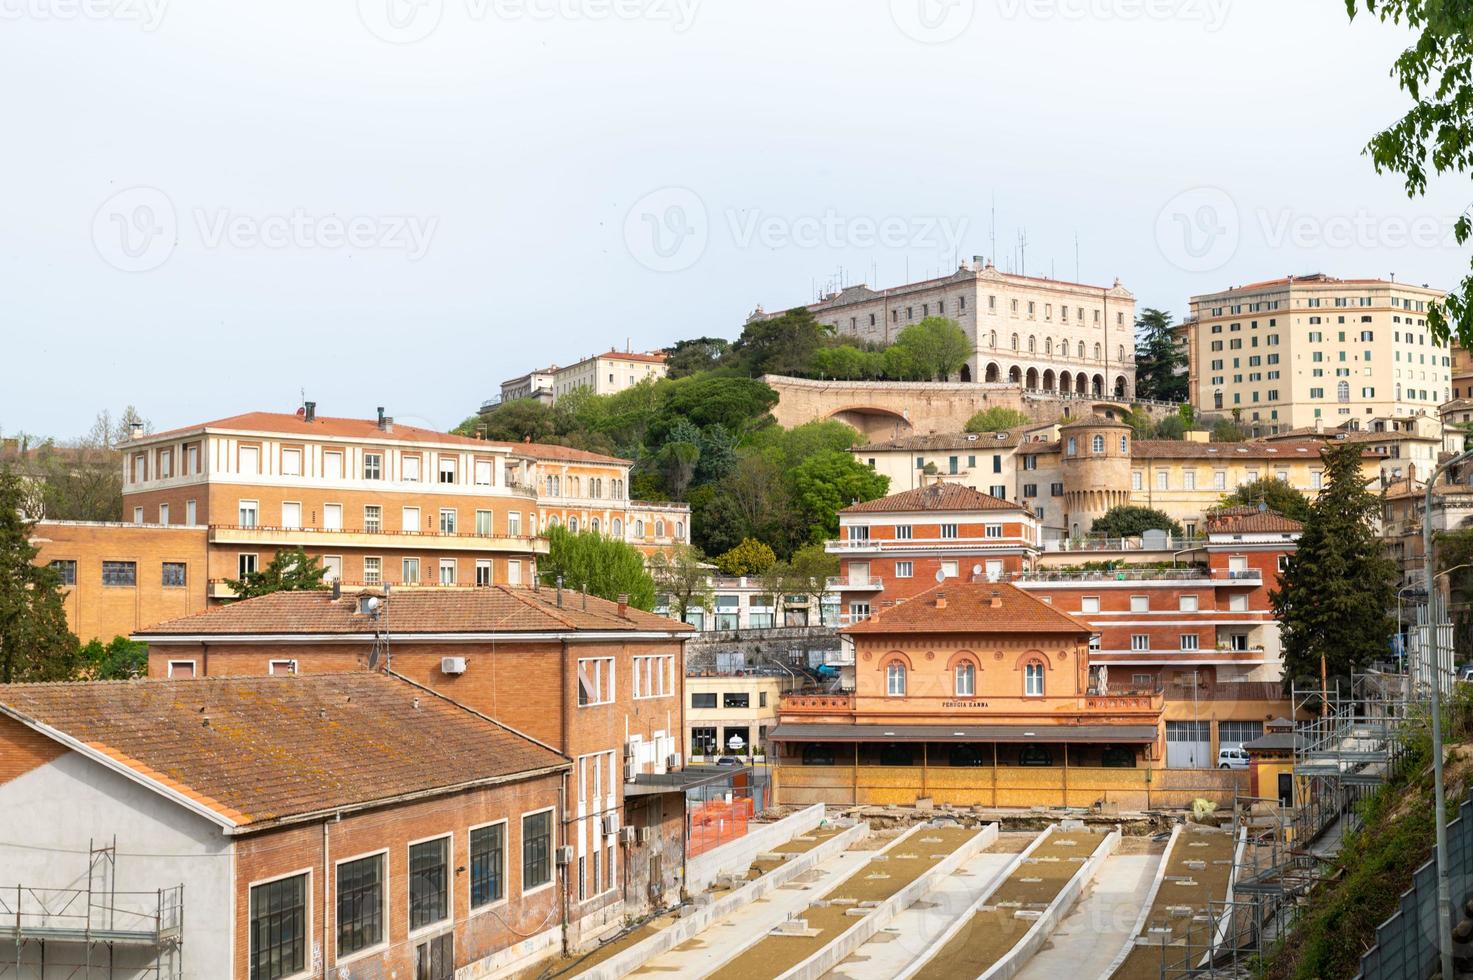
x=808, y=572
x=825, y=483
x=119, y=659
x=1436, y=71
x=937, y=347
x=682, y=576
x=514, y=421
x=996, y=419
x=1280, y=497
x=679, y=456
x=289, y=570
x=751, y=557
x=1159, y=358
x=1128, y=522
x=599, y=565
x=687, y=357
x=784, y=344
x=740, y=405
x=1225, y=429
x=1333, y=598
x=35, y=641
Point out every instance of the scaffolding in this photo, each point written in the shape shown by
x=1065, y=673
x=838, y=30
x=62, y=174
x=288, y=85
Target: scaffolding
x=92, y=932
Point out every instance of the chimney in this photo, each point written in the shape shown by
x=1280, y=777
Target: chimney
x=941, y=600
x=311, y=413
x=996, y=599
x=337, y=589
x=135, y=430
x=1319, y=425
x=624, y=605
x=560, y=592
x=380, y=416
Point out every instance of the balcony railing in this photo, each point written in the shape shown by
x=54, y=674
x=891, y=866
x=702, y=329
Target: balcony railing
x=839, y=583
x=1121, y=544
x=816, y=704
x=459, y=540
x=1186, y=574
x=929, y=545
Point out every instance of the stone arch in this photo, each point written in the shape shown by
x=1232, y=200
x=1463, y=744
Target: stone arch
x=964, y=656
x=895, y=656
x=1015, y=375
x=1031, y=382
x=1066, y=381
x=1098, y=386
x=994, y=374
x=1029, y=656
x=1048, y=380
x=1120, y=391
x=966, y=374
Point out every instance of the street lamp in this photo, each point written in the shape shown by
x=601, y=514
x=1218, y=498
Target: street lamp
x=1401, y=636
x=1444, y=887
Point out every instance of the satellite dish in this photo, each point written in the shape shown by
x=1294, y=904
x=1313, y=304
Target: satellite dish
x=940, y=576
x=373, y=605
x=976, y=569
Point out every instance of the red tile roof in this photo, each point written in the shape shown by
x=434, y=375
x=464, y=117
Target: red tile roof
x=1182, y=449
x=933, y=497
x=969, y=609
x=262, y=750
x=1250, y=520
x=566, y=454
x=322, y=426
x=973, y=441
x=493, y=609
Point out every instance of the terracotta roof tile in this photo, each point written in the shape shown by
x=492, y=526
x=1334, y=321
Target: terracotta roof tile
x=567, y=454
x=492, y=609
x=933, y=497
x=953, y=440
x=1250, y=520
x=321, y=426
x=265, y=749
x=1174, y=449
x=969, y=609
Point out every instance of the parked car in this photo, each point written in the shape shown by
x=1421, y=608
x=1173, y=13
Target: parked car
x=728, y=760
x=1232, y=759
x=1465, y=673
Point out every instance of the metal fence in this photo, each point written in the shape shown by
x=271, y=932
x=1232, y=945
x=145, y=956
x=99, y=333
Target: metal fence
x=1406, y=943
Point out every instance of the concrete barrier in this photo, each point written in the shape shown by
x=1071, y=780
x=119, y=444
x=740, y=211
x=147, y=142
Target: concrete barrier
x=864, y=930
x=737, y=856
x=1024, y=950
x=1145, y=913
x=666, y=939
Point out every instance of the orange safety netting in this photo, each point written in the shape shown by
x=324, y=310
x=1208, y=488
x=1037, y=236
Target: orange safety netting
x=718, y=822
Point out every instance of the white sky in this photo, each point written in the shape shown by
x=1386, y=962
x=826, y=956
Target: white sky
x=503, y=164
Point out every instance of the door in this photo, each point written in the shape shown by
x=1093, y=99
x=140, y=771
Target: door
x=859, y=573
x=1286, y=789
x=434, y=959
x=332, y=517
x=1189, y=745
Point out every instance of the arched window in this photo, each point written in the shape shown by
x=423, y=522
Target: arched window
x=557, y=486
x=1342, y=391
x=1120, y=356
x=593, y=525
x=618, y=528
x=573, y=525
x=639, y=529
x=1032, y=344
x=895, y=680
x=1015, y=341
x=1098, y=444
x=680, y=530
x=1098, y=349
x=992, y=339
x=1125, y=445
x=1073, y=447
x=1033, y=680
x=552, y=520
x=966, y=680
x=659, y=529
x=1081, y=350
x=1048, y=346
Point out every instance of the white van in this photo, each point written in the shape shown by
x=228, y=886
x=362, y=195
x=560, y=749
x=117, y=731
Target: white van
x=1232, y=759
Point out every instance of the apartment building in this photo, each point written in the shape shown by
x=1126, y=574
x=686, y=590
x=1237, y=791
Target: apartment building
x=902, y=545
x=1040, y=334
x=602, y=374
x=1280, y=354
x=1462, y=373
x=1405, y=446
x=330, y=825
x=599, y=682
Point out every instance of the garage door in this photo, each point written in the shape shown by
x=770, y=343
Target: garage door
x=1189, y=745
x=1232, y=734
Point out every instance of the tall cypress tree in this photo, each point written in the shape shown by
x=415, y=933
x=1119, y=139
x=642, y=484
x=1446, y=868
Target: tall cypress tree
x=1335, y=597
x=35, y=642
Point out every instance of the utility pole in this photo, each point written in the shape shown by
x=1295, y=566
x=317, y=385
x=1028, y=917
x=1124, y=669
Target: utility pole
x=1434, y=643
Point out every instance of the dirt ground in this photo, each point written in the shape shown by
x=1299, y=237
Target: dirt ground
x=994, y=930
x=1181, y=887
x=874, y=881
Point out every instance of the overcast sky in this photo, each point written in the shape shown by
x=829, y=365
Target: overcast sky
x=209, y=207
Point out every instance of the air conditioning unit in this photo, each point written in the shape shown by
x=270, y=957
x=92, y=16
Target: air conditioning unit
x=565, y=855
x=626, y=835
x=452, y=665
x=672, y=761
x=646, y=834
x=629, y=769
x=611, y=824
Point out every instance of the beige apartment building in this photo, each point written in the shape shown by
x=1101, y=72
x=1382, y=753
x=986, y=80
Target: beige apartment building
x=1040, y=334
x=1284, y=353
x=602, y=374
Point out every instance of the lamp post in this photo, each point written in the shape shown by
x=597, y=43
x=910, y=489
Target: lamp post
x=1400, y=635
x=1434, y=642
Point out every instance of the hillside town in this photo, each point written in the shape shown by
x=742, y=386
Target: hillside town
x=532, y=581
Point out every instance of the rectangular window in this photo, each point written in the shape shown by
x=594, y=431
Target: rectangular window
x=904, y=569
x=483, y=572
x=409, y=521
x=66, y=569
x=1163, y=480
x=250, y=460
x=1188, y=641
x=429, y=882
x=948, y=530
x=514, y=573
x=291, y=515
x=189, y=512
x=360, y=891
x=278, y=932
x=373, y=571
x=483, y=523
x=247, y=511
x=332, y=517
x=483, y=472
x=993, y=531
x=291, y=462
x=410, y=571
x=373, y=518
x=514, y=524
x=447, y=470
x=536, y=850
x=373, y=466
x=1188, y=603
x=703, y=700
x=120, y=573
x=1140, y=641
x=1189, y=480
x=949, y=569
x=1089, y=604
x=488, y=865
x=447, y=520
x=1140, y=603
x=447, y=571
x=174, y=575
x=595, y=681
x=411, y=467
x=903, y=532
x=332, y=465
x=246, y=565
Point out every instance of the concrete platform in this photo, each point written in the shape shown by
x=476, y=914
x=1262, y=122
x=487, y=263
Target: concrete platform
x=1092, y=934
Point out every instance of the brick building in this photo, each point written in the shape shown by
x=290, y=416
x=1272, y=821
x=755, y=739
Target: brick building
x=331, y=824
x=596, y=681
x=897, y=546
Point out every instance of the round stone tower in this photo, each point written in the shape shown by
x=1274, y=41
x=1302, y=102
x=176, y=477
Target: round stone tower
x=1096, y=468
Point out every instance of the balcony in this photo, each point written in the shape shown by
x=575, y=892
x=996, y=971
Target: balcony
x=929, y=546
x=309, y=537
x=1161, y=575
x=839, y=583
x=1064, y=545
x=816, y=704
